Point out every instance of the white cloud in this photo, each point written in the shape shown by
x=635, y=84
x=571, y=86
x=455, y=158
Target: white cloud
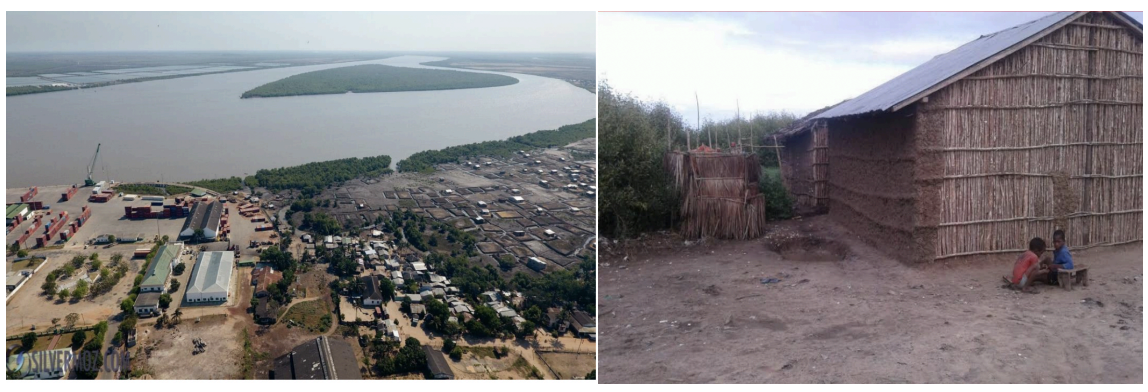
x=669, y=59
x=913, y=49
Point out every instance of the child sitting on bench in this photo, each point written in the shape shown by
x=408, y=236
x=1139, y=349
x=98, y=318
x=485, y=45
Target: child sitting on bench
x=1061, y=259
x=1027, y=267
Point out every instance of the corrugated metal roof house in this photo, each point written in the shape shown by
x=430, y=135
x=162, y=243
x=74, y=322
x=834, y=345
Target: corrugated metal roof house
x=1005, y=138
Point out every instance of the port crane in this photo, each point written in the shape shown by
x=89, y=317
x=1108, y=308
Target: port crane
x=89, y=181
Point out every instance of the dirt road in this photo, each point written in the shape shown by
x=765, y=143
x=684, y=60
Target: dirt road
x=700, y=313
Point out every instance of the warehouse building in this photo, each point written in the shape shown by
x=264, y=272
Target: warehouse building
x=211, y=277
x=147, y=304
x=17, y=212
x=204, y=216
x=159, y=271
x=319, y=359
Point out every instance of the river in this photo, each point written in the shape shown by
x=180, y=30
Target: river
x=197, y=127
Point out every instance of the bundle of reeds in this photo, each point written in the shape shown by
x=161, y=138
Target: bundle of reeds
x=720, y=195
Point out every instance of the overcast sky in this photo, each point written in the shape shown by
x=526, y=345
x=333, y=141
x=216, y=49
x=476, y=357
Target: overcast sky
x=357, y=31
x=798, y=62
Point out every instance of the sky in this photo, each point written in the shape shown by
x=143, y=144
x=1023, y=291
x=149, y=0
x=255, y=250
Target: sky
x=570, y=32
x=795, y=62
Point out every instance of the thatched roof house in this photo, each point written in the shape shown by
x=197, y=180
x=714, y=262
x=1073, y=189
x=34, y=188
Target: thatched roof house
x=1007, y=137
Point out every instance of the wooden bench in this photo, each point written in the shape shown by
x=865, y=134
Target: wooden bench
x=1078, y=275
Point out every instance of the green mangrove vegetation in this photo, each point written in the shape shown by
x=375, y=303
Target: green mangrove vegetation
x=376, y=78
x=424, y=161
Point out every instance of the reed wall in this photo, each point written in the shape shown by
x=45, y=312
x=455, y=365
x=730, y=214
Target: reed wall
x=720, y=195
x=1048, y=137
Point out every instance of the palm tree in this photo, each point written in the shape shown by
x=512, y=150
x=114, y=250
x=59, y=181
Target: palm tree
x=178, y=316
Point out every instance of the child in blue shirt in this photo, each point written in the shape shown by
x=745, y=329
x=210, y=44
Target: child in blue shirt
x=1061, y=259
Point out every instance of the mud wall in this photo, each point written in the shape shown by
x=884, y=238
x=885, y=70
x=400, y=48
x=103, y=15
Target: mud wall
x=805, y=168
x=797, y=170
x=872, y=188
x=1048, y=137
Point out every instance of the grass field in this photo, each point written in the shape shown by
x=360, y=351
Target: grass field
x=376, y=78
x=26, y=264
x=309, y=315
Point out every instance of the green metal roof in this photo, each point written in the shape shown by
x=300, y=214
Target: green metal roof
x=12, y=210
x=160, y=267
x=198, y=192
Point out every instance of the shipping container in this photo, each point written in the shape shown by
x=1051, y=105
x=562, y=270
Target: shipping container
x=32, y=192
x=67, y=195
x=96, y=190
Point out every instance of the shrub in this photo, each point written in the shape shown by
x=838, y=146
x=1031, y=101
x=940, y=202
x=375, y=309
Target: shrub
x=78, y=339
x=778, y=205
x=28, y=340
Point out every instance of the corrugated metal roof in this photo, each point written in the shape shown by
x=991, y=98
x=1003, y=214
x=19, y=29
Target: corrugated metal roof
x=944, y=66
x=212, y=273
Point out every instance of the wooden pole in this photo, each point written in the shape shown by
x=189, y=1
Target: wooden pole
x=699, y=106
x=738, y=102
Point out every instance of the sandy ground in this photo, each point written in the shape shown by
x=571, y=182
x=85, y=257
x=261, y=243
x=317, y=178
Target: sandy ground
x=166, y=353
x=672, y=312
x=30, y=307
x=568, y=366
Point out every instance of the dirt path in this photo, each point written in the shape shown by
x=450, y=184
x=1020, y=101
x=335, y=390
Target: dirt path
x=700, y=313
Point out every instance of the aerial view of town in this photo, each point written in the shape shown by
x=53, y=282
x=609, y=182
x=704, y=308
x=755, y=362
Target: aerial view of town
x=366, y=212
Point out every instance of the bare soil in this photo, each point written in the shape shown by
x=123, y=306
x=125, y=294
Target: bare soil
x=568, y=366
x=166, y=353
x=680, y=312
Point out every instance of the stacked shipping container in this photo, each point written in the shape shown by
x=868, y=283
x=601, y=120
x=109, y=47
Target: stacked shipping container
x=68, y=194
x=29, y=195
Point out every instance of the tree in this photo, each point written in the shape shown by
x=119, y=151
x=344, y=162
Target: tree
x=22, y=253
x=177, y=317
x=49, y=287
x=128, y=305
x=81, y=290
x=448, y=345
x=174, y=285
x=94, y=257
x=112, y=239
x=63, y=294
x=165, y=300
x=96, y=264
x=198, y=236
x=69, y=270
x=71, y=319
x=28, y=340
x=78, y=294
x=129, y=324
x=78, y=339
x=178, y=269
x=456, y=353
x=506, y=262
x=527, y=329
